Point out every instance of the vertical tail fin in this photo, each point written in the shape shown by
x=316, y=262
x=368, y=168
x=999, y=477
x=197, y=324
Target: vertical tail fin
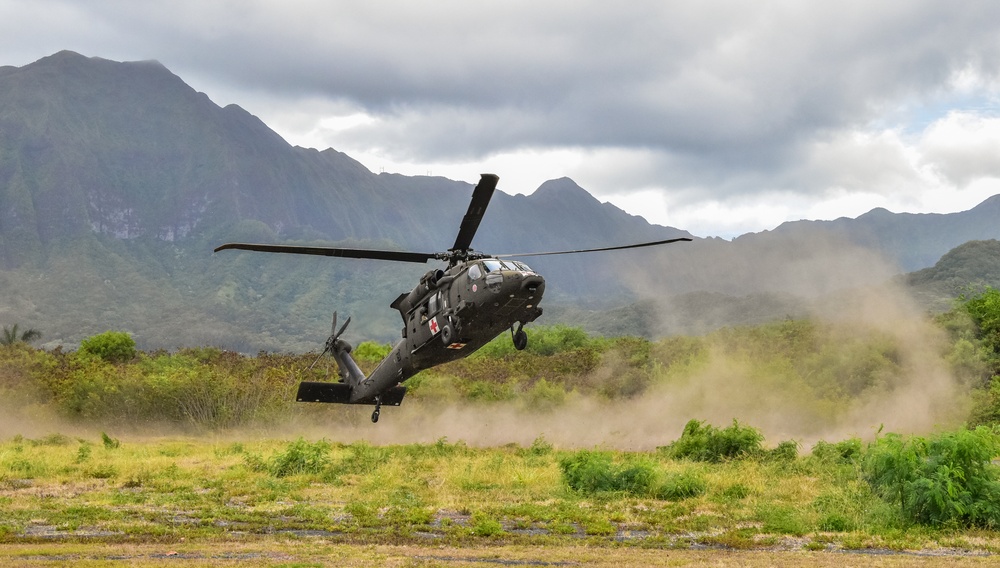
x=350, y=373
x=347, y=368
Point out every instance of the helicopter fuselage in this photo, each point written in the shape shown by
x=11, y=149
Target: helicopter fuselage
x=447, y=316
x=451, y=314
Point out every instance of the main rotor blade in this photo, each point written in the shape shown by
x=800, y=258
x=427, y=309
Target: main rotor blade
x=480, y=200
x=400, y=256
x=622, y=247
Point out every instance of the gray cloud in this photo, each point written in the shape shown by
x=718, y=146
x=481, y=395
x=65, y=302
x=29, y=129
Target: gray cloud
x=723, y=96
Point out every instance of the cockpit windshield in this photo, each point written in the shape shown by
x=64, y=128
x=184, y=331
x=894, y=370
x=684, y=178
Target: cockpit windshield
x=493, y=264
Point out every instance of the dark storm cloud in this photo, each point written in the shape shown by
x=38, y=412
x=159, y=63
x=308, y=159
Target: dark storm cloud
x=729, y=94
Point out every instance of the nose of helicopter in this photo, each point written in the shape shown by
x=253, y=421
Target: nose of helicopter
x=533, y=283
x=528, y=286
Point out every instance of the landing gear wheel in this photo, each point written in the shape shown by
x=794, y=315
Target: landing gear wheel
x=378, y=410
x=520, y=337
x=447, y=334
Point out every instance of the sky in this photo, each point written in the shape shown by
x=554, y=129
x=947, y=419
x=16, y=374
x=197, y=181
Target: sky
x=720, y=117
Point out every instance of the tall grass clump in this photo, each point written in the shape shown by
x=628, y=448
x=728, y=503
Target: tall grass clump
x=594, y=472
x=299, y=457
x=843, y=452
x=703, y=442
x=943, y=480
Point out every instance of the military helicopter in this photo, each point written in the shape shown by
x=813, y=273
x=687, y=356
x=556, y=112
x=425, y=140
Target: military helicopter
x=447, y=316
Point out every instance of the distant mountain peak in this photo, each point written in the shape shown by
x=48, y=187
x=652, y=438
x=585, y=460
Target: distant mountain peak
x=989, y=203
x=566, y=190
x=64, y=55
x=560, y=186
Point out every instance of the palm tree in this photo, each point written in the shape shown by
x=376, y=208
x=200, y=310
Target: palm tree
x=11, y=335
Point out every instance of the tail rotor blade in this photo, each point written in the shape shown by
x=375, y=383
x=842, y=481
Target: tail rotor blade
x=318, y=357
x=342, y=328
x=332, y=340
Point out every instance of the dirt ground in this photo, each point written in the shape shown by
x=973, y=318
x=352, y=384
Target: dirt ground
x=317, y=552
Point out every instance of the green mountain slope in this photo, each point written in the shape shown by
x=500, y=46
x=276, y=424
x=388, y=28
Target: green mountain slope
x=118, y=179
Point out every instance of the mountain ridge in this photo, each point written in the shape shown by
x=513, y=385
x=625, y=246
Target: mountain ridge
x=118, y=179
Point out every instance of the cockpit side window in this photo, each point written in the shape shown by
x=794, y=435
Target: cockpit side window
x=521, y=266
x=492, y=265
x=475, y=273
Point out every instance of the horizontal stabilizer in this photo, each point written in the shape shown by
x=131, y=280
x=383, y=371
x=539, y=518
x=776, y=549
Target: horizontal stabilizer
x=341, y=393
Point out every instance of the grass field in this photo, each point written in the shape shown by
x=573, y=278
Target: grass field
x=104, y=501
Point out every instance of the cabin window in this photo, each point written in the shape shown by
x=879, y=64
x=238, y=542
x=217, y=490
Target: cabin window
x=432, y=304
x=475, y=273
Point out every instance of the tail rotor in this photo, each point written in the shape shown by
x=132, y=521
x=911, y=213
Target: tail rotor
x=331, y=342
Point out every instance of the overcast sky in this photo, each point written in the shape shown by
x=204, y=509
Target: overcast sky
x=719, y=117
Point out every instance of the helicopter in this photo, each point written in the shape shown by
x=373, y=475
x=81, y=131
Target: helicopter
x=448, y=315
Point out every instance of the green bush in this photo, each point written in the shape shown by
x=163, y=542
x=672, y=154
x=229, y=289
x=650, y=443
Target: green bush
x=591, y=472
x=109, y=442
x=371, y=351
x=544, y=396
x=704, y=442
x=111, y=346
x=362, y=458
x=550, y=340
x=785, y=451
x=230, y=391
x=944, y=480
x=985, y=312
x=845, y=451
x=588, y=471
x=299, y=457
x=542, y=340
x=681, y=486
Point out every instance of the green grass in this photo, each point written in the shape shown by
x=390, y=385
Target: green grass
x=186, y=488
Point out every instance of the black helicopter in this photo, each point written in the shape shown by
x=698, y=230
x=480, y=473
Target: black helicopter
x=447, y=316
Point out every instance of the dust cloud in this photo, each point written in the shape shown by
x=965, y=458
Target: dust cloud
x=843, y=286
x=839, y=284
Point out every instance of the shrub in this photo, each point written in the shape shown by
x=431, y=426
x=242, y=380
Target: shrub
x=704, y=442
x=594, y=472
x=681, y=486
x=109, y=442
x=545, y=396
x=540, y=447
x=846, y=451
x=542, y=340
x=785, y=451
x=371, y=351
x=588, y=471
x=484, y=525
x=299, y=457
x=947, y=479
x=111, y=346
x=362, y=458
x=985, y=312
x=550, y=340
